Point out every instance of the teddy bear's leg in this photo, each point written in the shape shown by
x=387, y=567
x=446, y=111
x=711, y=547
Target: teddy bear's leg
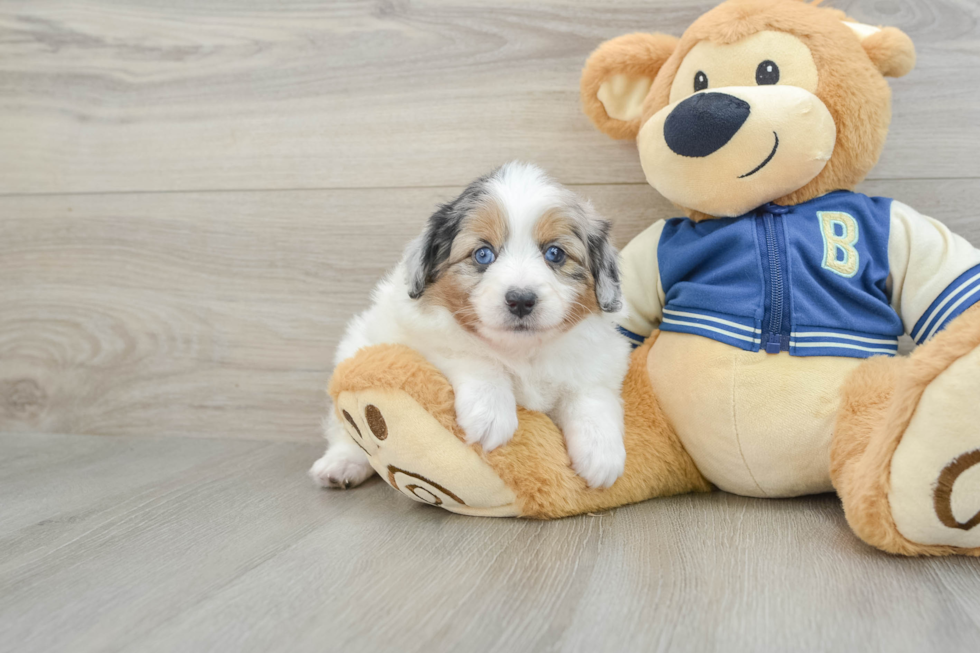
x=397, y=409
x=536, y=461
x=403, y=417
x=906, y=452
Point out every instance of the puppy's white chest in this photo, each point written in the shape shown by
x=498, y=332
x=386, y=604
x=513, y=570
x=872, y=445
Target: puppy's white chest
x=535, y=393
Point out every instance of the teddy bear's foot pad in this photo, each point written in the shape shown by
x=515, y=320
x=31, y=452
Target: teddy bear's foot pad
x=935, y=471
x=420, y=458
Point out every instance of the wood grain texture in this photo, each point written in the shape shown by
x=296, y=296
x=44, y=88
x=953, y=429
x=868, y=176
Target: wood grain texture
x=216, y=314
x=140, y=96
x=171, y=544
x=195, y=197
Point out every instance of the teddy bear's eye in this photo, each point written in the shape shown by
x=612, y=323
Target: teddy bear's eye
x=700, y=81
x=767, y=73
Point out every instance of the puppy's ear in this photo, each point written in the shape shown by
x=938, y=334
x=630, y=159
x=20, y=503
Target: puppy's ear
x=604, y=265
x=427, y=255
x=419, y=265
x=617, y=79
x=429, y=252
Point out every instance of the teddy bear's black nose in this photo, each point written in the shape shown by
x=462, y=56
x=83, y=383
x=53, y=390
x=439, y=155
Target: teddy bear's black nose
x=704, y=122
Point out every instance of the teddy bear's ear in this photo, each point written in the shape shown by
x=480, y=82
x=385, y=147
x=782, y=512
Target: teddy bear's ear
x=617, y=78
x=890, y=49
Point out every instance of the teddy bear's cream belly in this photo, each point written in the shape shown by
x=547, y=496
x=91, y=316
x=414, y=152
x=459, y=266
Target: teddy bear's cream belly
x=755, y=424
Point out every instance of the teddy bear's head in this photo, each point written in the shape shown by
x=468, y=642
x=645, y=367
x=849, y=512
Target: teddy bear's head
x=759, y=101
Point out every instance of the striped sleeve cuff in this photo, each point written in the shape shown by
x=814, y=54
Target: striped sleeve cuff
x=960, y=295
x=635, y=339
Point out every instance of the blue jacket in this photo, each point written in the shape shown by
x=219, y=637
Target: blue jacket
x=815, y=279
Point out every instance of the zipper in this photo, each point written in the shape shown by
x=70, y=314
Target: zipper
x=773, y=340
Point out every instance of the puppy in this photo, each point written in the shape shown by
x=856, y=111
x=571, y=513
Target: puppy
x=510, y=292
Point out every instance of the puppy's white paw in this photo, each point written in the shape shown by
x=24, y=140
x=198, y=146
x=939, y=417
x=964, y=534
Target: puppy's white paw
x=597, y=452
x=487, y=413
x=341, y=467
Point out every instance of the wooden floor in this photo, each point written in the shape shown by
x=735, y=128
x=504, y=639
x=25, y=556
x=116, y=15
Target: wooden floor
x=196, y=195
x=172, y=544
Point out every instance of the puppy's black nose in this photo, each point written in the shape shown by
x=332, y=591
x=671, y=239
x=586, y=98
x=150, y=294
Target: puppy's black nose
x=520, y=302
x=703, y=123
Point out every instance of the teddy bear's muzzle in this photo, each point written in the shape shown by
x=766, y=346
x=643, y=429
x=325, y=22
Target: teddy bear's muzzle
x=727, y=151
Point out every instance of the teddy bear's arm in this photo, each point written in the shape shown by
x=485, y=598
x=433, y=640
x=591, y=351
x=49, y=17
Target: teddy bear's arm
x=643, y=294
x=934, y=273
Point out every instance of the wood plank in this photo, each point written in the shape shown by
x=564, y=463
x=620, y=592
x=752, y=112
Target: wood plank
x=102, y=97
x=138, y=547
x=216, y=314
x=53, y=484
x=106, y=543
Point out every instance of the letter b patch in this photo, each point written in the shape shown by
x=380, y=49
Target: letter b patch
x=840, y=234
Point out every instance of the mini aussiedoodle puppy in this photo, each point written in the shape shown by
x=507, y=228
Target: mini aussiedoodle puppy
x=511, y=292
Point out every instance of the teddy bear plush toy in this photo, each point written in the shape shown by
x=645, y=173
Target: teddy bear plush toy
x=766, y=320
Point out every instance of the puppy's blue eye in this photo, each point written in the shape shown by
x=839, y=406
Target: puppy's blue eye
x=555, y=254
x=484, y=256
